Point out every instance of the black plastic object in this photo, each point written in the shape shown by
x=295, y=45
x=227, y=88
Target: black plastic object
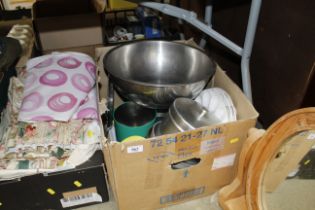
x=30, y=193
x=10, y=51
x=15, y=14
x=52, y=8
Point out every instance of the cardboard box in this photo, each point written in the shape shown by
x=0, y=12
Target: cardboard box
x=66, y=24
x=141, y=173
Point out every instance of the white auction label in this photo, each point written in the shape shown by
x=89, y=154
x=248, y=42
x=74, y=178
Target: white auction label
x=211, y=145
x=224, y=161
x=135, y=149
x=80, y=199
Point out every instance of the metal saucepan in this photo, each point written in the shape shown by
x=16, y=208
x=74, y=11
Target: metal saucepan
x=155, y=73
x=184, y=114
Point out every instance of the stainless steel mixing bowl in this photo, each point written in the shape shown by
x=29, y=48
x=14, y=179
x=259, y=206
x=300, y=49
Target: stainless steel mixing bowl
x=155, y=73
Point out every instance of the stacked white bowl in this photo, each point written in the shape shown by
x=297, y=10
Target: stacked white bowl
x=219, y=103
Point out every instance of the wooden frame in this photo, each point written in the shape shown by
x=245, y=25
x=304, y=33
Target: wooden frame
x=259, y=149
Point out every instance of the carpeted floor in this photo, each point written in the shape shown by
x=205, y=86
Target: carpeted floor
x=199, y=204
x=293, y=194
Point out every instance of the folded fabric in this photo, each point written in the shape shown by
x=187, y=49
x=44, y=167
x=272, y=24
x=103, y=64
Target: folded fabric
x=63, y=134
x=15, y=95
x=16, y=168
x=12, y=169
x=46, y=145
x=88, y=107
x=56, y=85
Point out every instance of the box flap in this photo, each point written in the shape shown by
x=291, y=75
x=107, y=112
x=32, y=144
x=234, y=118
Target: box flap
x=245, y=109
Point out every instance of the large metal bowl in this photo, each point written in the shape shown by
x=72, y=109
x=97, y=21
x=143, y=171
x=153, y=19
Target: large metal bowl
x=155, y=73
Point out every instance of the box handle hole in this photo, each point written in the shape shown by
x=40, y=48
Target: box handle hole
x=185, y=163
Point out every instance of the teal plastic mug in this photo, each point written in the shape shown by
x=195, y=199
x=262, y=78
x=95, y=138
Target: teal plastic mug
x=132, y=119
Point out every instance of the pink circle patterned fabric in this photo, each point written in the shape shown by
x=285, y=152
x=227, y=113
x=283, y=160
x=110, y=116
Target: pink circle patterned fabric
x=44, y=64
x=91, y=68
x=62, y=102
x=69, y=62
x=58, y=78
x=30, y=80
x=61, y=87
x=87, y=113
x=32, y=102
x=81, y=82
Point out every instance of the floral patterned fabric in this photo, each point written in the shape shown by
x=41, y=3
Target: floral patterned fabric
x=45, y=145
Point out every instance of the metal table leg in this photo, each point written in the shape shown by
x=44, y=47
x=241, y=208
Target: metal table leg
x=208, y=21
x=244, y=52
x=248, y=46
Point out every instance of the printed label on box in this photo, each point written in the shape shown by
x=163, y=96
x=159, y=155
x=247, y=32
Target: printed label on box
x=160, y=156
x=182, y=195
x=211, y=145
x=224, y=161
x=80, y=199
x=135, y=149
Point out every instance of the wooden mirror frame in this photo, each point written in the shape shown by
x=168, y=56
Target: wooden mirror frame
x=244, y=193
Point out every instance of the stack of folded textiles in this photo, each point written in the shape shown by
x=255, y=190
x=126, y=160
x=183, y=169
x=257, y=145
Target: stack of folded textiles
x=51, y=119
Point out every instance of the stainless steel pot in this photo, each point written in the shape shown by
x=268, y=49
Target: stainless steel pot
x=184, y=114
x=155, y=73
